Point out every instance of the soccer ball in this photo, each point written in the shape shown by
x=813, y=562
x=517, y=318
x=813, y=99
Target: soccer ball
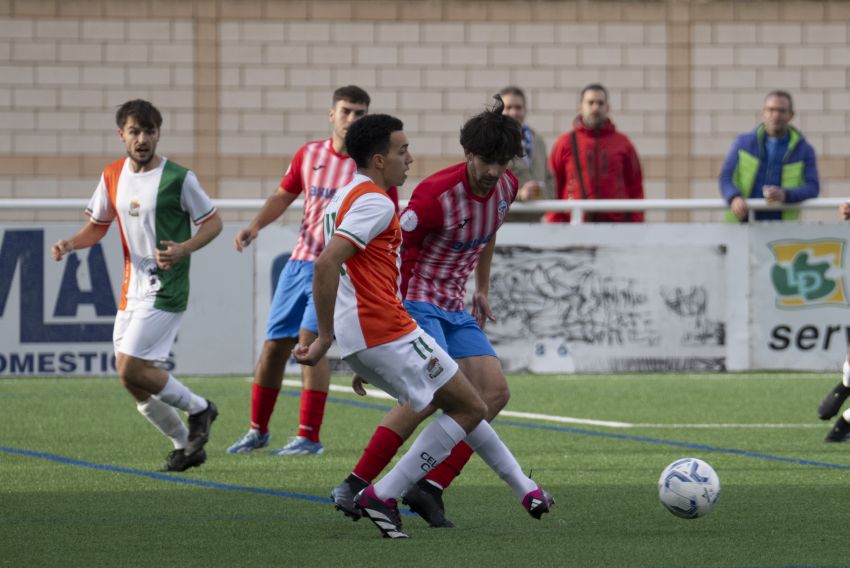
x=689, y=488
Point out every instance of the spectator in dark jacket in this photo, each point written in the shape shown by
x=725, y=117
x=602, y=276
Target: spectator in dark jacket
x=773, y=161
x=594, y=161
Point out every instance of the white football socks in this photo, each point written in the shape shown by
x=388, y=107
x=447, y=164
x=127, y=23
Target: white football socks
x=178, y=395
x=487, y=444
x=846, y=378
x=431, y=447
x=166, y=420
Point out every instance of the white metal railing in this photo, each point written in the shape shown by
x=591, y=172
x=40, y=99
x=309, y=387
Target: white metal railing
x=574, y=206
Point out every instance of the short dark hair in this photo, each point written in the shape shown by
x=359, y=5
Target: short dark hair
x=493, y=136
x=783, y=94
x=147, y=115
x=513, y=90
x=594, y=87
x=370, y=135
x=352, y=94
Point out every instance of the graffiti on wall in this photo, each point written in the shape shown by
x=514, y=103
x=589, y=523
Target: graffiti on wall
x=613, y=303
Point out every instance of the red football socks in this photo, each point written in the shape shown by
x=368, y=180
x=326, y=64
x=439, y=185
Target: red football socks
x=378, y=453
x=263, y=400
x=449, y=468
x=312, y=413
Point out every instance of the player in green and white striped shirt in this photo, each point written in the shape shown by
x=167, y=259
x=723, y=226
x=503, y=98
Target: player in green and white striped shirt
x=155, y=202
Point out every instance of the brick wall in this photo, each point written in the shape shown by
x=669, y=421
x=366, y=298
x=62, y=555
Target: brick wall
x=242, y=84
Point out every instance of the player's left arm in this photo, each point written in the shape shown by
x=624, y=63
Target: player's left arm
x=480, y=303
x=196, y=203
x=326, y=271
x=173, y=252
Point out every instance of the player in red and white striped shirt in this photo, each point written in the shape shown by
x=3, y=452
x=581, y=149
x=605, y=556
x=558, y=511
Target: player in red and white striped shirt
x=449, y=230
x=317, y=170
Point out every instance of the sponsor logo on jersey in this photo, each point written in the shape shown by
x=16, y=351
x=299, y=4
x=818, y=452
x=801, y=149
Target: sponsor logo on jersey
x=325, y=192
x=467, y=245
x=135, y=205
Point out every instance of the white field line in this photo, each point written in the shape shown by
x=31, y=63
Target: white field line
x=374, y=393
x=701, y=377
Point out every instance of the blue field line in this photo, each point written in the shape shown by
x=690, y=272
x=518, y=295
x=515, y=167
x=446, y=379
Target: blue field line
x=688, y=445
x=171, y=478
x=161, y=476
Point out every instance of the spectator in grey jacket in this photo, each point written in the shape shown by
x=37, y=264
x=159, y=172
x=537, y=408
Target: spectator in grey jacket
x=532, y=171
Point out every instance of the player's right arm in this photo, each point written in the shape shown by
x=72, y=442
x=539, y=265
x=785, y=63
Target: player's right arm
x=90, y=234
x=288, y=189
x=275, y=206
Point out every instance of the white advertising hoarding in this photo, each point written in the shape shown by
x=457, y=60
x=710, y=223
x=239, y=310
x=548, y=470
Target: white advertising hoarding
x=799, y=305
x=595, y=299
x=603, y=298
x=56, y=318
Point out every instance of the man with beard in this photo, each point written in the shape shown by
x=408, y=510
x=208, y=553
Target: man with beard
x=155, y=201
x=594, y=161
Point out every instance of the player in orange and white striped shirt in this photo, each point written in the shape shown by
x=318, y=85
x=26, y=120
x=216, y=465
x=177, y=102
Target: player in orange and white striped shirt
x=356, y=292
x=449, y=230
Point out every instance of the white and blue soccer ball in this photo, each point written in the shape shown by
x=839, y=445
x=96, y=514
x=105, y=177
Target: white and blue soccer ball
x=689, y=488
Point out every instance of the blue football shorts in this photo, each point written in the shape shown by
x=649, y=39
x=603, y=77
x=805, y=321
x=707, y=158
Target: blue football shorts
x=292, y=305
x=456, y=332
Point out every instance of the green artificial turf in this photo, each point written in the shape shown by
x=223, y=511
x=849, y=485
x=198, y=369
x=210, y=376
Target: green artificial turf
x=75, y=489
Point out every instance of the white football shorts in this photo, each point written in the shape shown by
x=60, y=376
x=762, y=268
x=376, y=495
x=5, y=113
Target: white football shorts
x=146, y=333
x=410, y=369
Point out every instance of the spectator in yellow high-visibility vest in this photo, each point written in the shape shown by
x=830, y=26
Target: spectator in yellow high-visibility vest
x=774, y=161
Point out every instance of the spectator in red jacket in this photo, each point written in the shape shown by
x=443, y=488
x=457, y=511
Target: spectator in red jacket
x=594, y=161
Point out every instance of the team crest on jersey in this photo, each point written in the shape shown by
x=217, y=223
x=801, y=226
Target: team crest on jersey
x=503, y=208
x=408, y=220
x=135, y=205
x=434, y=368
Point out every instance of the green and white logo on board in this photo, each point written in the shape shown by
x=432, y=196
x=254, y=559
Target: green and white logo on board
x=808, y=273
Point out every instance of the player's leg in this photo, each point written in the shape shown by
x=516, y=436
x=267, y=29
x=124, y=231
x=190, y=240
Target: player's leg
x=485, y=374
x=285, y=315
x=470, y=347
x=142, y=338
x=487, y=444
x=833, y=401
x=316, y=382
x=462, y=407
x=417, y=370
x=396, y=426
x=462, y=410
